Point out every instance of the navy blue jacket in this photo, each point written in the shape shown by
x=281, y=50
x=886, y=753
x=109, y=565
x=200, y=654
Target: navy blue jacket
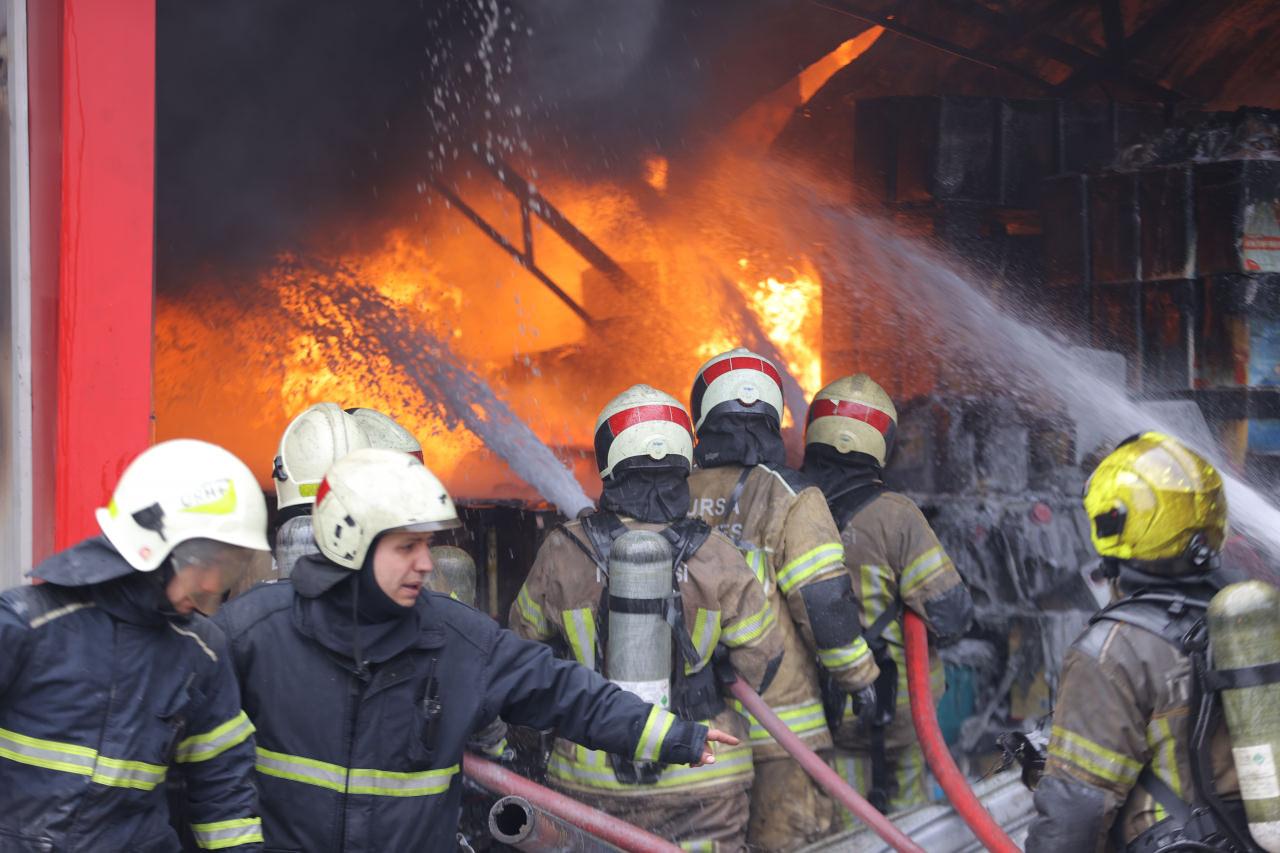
x=349, y=760
x=94, y=708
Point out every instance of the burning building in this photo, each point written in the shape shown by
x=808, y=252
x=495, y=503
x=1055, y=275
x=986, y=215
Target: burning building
x=489, y=218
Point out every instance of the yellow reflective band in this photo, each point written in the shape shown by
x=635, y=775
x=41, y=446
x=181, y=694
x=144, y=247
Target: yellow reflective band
x=1093, y=758
x=233, y=732
x=649, y=747
x=590, y=769
x=698, y=846
x=810, y=564
x=802, y=718
x=706, y=633
x=79, y=760
x=580, y=626
x=756, y=561
x=844, y=657
x=749, y=629
x=1165, y=759
x=497, y=749
x=227, y=833
x=922, y=568
x=322, y=774
x=119, y=773
x=532, y=613
x=308, y=490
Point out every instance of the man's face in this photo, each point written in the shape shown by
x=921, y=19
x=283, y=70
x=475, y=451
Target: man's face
x=196, y=588
x=401, y=563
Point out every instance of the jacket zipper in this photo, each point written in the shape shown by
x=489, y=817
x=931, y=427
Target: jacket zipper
x=353, y=695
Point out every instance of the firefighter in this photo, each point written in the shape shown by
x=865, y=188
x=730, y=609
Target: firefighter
x=313, y=441
x=644, y=451
x=110, y=678
x=1123, y=772
x=781, y=523
x=364, y=687
x=897, y=562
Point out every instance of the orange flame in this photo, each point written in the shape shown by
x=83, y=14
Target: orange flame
x=236, y=359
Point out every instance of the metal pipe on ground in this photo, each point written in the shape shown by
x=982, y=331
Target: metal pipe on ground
x=518, y=823
x=944, y=768
x=605, y=827
x=820, y=771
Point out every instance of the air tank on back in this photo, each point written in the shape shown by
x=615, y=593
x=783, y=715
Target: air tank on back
x=638, y=652
x=293, y=540
x=454, y=573
x=1244, y=629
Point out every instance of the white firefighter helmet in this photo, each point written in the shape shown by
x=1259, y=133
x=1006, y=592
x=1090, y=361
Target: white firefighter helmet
x=642, y=421
x=179, y=491
x=739, y=380
x=372, y=491
x=383, y=431
x=853, y=415
x=312, y=442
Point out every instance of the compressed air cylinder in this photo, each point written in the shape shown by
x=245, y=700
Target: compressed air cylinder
x=454, y=573
x=1244, y=630
x=638, y=654
x=293, y=540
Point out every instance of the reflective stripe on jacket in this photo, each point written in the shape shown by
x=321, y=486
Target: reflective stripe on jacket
x=95, y=710
x=349, y=763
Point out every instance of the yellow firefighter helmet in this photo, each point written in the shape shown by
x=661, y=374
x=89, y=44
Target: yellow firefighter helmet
x=1153, y=499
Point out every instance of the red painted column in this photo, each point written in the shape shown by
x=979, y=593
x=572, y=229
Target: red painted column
x=106, y=237
x=44, y=69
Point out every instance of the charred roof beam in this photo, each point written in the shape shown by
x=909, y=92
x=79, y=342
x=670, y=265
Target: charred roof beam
x=524, y=256
x=1100, y=68
x=1015, y=32
x=893, y=25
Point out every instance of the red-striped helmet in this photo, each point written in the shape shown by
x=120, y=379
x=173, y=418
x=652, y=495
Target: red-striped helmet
x=642, y=421
x=737, y=381
x=853, y=415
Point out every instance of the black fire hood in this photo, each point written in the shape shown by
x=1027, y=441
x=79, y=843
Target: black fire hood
x=739, y=438
x=652, y=490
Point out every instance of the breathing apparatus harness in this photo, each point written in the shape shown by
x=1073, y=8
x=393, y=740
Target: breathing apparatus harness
x=853, y=501
x=694, y=696
x=1179, y=619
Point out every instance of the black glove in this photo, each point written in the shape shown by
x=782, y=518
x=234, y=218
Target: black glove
x=864, y=705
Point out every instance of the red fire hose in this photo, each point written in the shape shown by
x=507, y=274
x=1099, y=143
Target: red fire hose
x=603, y=826
x=821, y=773
x=953, y=783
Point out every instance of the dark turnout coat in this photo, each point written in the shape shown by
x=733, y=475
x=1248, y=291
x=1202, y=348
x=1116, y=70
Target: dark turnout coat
x=95, y=708
x=355, y=760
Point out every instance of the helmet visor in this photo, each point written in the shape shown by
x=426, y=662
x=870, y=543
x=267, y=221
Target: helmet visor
x=205, y=570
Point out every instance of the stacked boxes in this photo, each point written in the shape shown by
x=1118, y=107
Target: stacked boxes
x=1181, y=269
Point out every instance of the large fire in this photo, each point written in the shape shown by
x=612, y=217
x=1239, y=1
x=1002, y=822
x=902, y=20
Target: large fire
x=237, y=357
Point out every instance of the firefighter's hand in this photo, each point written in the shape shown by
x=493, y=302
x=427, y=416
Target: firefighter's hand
x=714, y=736
x=864, y=705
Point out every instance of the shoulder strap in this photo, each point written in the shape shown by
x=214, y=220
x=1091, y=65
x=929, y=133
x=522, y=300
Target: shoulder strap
x=1177, y=807
x=602, y=528
x=686, y=536
x=891, y=613
x=731, y=505
x=860, y=497
x=1170, y=616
